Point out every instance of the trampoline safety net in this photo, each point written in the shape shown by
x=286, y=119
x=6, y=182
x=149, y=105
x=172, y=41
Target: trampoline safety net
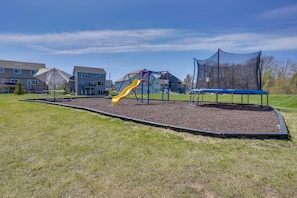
x=226, y=70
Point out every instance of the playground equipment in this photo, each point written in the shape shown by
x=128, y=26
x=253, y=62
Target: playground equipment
x=227, y=73
x=145, y=86
x=115, y=100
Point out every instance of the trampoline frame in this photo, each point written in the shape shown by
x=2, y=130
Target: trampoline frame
x=198, y=92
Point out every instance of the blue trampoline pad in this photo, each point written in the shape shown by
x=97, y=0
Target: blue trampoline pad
x=229, y=91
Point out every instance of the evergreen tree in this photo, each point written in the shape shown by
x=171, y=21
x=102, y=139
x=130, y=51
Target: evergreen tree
x=19, y=90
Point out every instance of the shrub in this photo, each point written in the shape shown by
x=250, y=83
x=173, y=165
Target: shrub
x=19, y=90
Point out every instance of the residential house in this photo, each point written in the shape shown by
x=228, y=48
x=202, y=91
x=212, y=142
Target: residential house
x=12, y=72
x=109, y=85
x=88, y=81
x=175, y=84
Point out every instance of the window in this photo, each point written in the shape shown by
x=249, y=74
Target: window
x=91, y=84
x=17, y=71
x=15, y=81
x=83, y=75
x=33, y=72
x=98, y=75
x=100, y=83
x=32, y=82
x=2, y=70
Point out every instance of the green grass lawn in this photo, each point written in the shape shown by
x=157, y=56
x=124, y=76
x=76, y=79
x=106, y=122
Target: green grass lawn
x=52, y=151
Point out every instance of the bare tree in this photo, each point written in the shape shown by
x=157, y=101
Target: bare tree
x=268, y=63
x=285, y=69
x=188, y=81
x=294, y=67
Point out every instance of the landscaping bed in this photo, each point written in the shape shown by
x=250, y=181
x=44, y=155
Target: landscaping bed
x=247, y=119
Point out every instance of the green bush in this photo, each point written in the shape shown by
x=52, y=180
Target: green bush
x=112, y=93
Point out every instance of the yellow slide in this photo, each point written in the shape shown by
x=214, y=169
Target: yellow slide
x=115, y=100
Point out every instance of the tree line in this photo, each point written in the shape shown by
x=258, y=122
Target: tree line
x=277, y=76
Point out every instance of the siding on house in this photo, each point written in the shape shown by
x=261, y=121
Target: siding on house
x=12, y=72
x=109, y=85
x=88, y=81
x=175, y=84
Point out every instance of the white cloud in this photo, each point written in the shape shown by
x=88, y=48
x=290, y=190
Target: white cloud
x=109, y=41
x=281, y=13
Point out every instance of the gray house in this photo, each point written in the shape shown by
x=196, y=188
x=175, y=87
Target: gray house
x=88, y=81
x=109, y=85
x=175, y=84
x=12, y=72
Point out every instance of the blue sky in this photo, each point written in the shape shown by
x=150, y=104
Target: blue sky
x=125, y=36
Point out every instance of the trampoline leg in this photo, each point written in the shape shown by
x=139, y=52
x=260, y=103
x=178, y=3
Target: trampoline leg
x=248, y=99
x=241, y=101
x=192, y=99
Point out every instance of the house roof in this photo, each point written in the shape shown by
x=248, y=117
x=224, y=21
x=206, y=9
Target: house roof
x=21, y=65
x=92, y=70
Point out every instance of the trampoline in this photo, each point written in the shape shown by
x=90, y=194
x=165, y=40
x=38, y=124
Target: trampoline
x=197, y=94
x=228, y=73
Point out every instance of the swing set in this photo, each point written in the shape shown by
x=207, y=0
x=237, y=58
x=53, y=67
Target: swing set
x=145, y=75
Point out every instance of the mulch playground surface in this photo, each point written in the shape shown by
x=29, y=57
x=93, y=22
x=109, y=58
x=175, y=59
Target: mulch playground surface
x=208, y=117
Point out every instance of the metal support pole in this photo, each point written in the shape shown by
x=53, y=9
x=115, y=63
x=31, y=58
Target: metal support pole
x=219, y=69
x=148, y=87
